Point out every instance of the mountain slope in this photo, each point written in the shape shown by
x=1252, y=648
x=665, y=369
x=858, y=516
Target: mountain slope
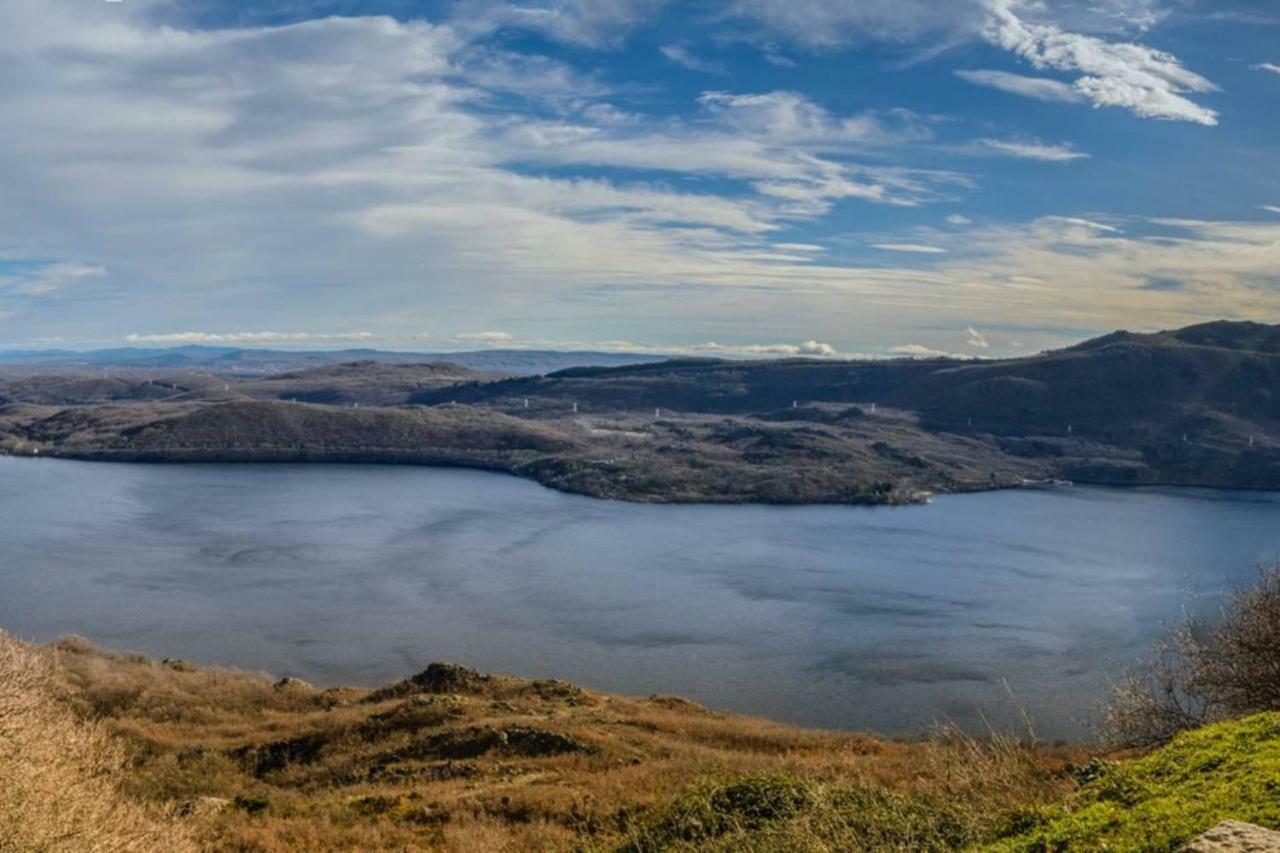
x=1197, y=406
x=1099, y=386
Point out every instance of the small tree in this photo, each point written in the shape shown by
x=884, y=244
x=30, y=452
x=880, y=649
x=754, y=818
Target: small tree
x=1206, y=672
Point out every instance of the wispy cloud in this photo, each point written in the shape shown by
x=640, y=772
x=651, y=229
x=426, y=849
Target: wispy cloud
x=1040, y=88
x=909, y=248
x=49, y=279
x=806, y=349
x=1073, y=37
x=1033, y=150
x=1266, y=66
x=383, y=174
x=592, y=23
x=922, y=351
x=827, y=24
x=431, y=196
x=1086, y=223
x=683, y=55
x=495, y=338
x=1148, y=82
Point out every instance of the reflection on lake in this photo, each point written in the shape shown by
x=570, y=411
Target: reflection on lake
x=883, y=619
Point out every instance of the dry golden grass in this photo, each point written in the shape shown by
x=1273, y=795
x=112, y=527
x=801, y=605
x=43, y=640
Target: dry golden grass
x=61, y=777
x=456, y=761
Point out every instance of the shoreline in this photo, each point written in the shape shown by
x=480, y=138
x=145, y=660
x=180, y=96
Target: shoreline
x=396, y=457
x=420, y=459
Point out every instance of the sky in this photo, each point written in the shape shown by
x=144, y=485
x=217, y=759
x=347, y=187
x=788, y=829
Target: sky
x=981, y=178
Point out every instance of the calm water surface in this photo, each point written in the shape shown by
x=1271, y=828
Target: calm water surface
x=884, y=619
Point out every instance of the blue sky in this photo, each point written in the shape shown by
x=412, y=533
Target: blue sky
x=775, y=177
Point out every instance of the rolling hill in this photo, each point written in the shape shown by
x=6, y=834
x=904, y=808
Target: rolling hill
x=1197, y=406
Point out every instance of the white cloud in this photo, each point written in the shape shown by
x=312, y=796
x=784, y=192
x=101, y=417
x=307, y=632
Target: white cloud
x=1092, y=275
x=487, y=337
x=683, y=55
x=379, y=163
x=1148, y=82
x=1271, y=208
x=781, y=141
x=1066, y=35
x=909, y=248
x=825, y=24
x=791, y=118
x=1266, y=66
x=828, y=24
x=1034, y=150
x=592, y=23
x=49, y=279
x=807, y=349
x=368, y=173
x=775, y=57
x=958, y=220
x=1085, y=223
x=918, y=351
x=1121, y=15
x=1040, y=88
x=977, y=339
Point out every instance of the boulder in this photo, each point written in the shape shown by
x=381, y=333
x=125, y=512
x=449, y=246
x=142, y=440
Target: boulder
x=204, y=807
x=1233, y=836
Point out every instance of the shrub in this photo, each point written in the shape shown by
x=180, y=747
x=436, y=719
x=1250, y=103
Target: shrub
x=1206, y=672
x=777, y=812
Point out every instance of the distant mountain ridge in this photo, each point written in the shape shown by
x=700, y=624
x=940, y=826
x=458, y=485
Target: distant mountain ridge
x=264, y=361
x=1098, y=385
x=1222, y=334
x=1199, y=405
x=1196, y=406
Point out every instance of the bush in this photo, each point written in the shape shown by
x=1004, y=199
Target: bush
x=776, y=812
x=1206, y=672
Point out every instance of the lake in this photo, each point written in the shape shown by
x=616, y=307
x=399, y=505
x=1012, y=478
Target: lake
x=886, y=619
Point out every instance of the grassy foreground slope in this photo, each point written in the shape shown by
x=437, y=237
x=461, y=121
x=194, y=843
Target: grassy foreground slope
x=62, y=777
x=452, y=759
x=1228, y=770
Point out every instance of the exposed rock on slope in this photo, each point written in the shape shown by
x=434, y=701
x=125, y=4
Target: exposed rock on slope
x=1233, y=836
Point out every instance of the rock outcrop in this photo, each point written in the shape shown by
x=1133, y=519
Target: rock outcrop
x=1233, y=836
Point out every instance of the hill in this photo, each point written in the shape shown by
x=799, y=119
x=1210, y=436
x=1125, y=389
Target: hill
x=1198, y=406
x=454, y=759
x=1195, y=406
x=1097, y=386
x=369, y=383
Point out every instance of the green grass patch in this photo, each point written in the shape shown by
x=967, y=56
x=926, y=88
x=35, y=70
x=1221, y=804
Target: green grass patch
x=1226, y=771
